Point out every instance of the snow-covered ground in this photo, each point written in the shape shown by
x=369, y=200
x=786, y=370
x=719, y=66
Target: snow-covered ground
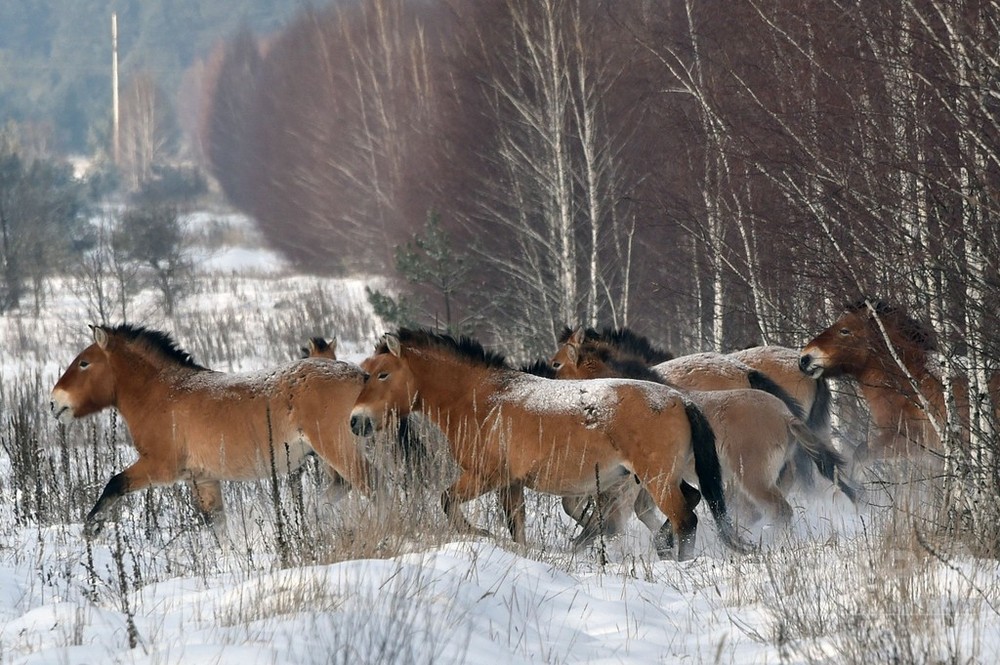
x=842, y=584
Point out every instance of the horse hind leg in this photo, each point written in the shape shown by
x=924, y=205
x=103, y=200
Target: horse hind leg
x=681, y=518
x=512, y=502
x=610, y=512
x=767, y=497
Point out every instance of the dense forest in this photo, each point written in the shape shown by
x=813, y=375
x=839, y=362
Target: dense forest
x=721, y=173
x=55, y=55
x=726, y=173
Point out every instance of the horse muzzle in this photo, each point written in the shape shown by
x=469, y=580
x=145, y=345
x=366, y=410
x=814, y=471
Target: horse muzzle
x=811, y=365
x=61, y=408
x=362, y=424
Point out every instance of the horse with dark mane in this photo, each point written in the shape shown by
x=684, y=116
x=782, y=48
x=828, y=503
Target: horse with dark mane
x=320, y=347
x=509, y=430
x=755, y=432
x=193, y=424
x=805, y=398
x=773, y=369
x=409, y=443
x=886, y=351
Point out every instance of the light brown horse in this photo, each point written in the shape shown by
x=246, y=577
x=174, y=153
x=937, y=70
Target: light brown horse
x=190, y=423
x=808, y=400
x=755, y=431
x=773, y=369
x=902, y=399
x=509, y=430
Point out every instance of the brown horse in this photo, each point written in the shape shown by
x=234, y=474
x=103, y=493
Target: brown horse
x=190, y=423
x=903, y=396
x=410, y=445
x=771, y=369
x=509, y=430
x=756, y=432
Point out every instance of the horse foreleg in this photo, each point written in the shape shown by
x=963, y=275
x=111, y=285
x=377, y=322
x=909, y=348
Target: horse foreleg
x=512, y=501
x=144, y=473
x=208, y=499
x=466, y=488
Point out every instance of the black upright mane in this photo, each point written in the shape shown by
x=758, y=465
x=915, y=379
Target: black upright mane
x=911, y=330
x=463, y=347
x=542, y=368
x=154, y=340
x=625, y=340
x=627, y=368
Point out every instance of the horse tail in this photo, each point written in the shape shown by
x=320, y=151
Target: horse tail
x=709, y=471
x=819, y=412
x=802, y=462
x=829, y=462
x=760, y=381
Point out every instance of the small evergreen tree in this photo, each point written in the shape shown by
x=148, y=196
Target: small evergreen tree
x=428, y=260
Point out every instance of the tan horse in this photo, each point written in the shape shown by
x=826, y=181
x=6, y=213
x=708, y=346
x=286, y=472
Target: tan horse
x=898, y=397
x=755, y=432
x=771, y=369
x=509, y=430
x=409, y=443
x=190, y=423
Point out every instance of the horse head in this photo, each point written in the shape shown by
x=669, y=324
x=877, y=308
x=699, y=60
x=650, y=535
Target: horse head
x=88, y=384
x=388, y=388
x=856, y=342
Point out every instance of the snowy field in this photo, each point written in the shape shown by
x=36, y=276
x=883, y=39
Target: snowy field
x=295, y=580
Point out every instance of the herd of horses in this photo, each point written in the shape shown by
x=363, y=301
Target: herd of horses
x=611, y=424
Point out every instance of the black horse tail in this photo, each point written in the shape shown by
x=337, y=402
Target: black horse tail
x=761, y=381
x=819, y=414
x=709, y=470
x=829, y=462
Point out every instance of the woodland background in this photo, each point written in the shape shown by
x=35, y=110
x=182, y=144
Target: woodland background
x=713, y=174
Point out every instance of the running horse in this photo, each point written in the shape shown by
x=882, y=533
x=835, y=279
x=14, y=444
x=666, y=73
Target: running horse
x=757, y=434
x=771, y=369
x=886, y=352
x=409, y=443
x=193, y=424
x=508, y=430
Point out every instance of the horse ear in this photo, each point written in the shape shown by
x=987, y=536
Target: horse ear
x=333, y=345
x=100, y=336
x=392, y=343
x=577, y=338
x=573, y=353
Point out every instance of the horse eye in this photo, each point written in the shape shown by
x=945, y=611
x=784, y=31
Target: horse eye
x=845, y=331
x=84, y=364
x=556, y=365
x=383, y=376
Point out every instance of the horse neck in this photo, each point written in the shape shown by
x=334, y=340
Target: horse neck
x=884, y=383
x=450, y=391
x=141, y=381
